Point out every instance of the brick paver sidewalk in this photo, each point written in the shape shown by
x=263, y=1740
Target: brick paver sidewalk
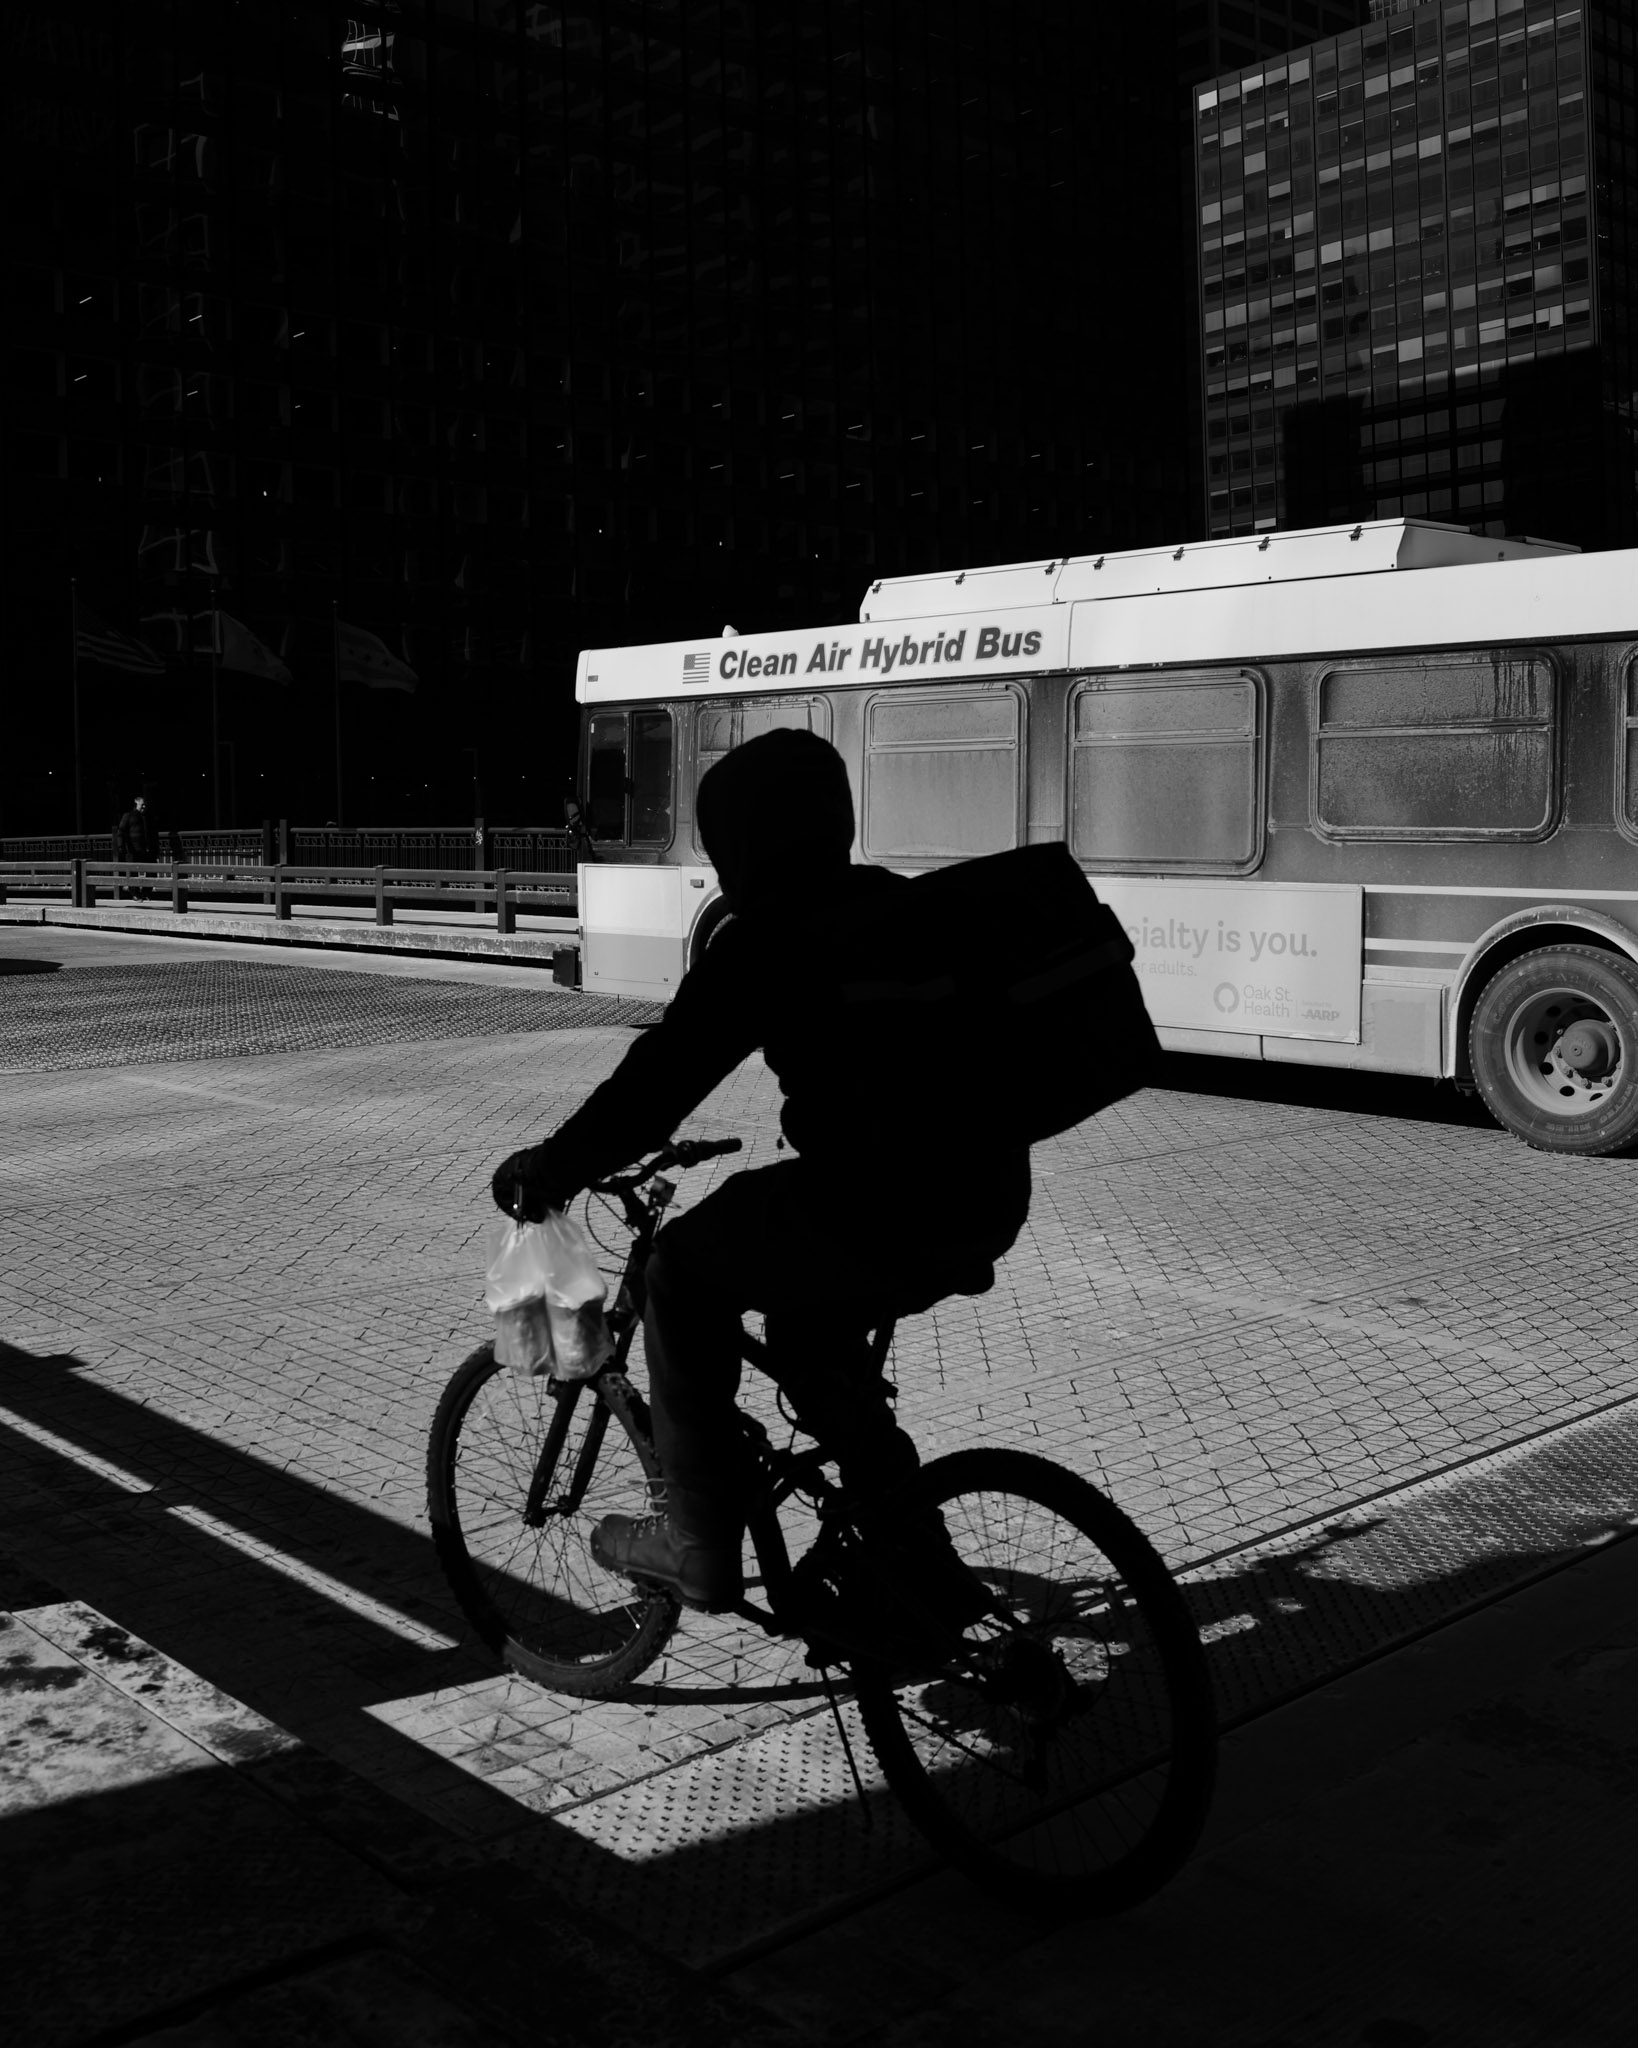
x=234, y=1287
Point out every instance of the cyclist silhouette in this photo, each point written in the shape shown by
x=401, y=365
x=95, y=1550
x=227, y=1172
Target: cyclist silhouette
x=825, y=1244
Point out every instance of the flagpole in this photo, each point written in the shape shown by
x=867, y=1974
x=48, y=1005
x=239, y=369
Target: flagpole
x=215, y=738
x=335, y=632
x=74, y=670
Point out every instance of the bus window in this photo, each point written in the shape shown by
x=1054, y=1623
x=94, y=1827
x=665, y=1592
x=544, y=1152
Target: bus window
x=1446, y=748
x=719, y=727
x=650, y=778
x=1165, y=774
x=628, y=777
x=606, y=775
x=941, y=775
x=1629, y=751
x=713, y=735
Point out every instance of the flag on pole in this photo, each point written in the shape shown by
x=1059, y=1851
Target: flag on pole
x=238, y=649
x=95, y=641
x=362, y=658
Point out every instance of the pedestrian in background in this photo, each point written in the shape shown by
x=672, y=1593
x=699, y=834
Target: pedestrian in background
x=134, y=839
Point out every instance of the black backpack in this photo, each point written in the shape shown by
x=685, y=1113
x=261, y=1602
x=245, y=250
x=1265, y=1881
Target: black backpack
x=993, y=999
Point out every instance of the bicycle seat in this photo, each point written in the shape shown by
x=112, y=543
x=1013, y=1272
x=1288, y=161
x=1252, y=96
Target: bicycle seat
x=963, y=1273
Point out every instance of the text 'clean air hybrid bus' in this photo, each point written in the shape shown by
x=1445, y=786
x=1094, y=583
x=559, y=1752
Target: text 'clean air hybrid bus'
x=1363, y=796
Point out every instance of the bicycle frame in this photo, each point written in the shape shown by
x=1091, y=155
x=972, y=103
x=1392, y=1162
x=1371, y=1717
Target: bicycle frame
x=779, y=1474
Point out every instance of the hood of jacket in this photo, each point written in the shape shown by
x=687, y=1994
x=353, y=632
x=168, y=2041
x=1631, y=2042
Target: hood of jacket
x=776, y=818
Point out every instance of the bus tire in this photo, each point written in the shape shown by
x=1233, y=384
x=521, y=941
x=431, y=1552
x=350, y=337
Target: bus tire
x=1554, y=1049
x=712, y=920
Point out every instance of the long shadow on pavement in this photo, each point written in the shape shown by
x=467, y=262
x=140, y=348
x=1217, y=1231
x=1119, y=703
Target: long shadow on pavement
x=714, y=1852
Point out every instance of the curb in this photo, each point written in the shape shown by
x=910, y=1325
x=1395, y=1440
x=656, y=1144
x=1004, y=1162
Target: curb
x=520, y=949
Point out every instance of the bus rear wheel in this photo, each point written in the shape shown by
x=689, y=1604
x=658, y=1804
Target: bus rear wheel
x=1554, y=1049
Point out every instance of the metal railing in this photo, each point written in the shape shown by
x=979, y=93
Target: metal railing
x=546, y=849
x=55, y=846
x=416, y=846
x=536, y=849
x=237, y=844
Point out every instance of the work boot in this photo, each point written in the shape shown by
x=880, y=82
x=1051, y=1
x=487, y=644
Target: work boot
x=691, y=1548
x=912, y=1544
x=899, y=1594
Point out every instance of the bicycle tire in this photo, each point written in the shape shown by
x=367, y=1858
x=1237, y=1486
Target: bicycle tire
x=1065, y=1762
x=530, y=1588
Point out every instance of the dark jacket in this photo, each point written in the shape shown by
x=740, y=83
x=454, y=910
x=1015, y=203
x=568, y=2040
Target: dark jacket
x=132, y=838
x=759, y=985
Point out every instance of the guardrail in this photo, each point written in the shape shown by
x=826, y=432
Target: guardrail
x=503, y=891
x=37, y=878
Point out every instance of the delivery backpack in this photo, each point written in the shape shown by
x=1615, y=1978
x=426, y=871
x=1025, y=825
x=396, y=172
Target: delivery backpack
x=994, y=1000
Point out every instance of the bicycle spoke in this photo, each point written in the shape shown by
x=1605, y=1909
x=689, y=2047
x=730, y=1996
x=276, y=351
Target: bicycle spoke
x=535, y=1588
x=1051, y=1763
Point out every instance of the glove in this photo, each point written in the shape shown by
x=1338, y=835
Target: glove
x=540, y=1190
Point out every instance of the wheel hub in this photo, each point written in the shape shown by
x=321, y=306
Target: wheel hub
x=1031, y=1678
x=1564, y=1051
x=1589, y=1048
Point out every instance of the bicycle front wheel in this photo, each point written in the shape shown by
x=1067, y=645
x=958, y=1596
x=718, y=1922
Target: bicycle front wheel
x=1065, y=1759
x=518, y=1470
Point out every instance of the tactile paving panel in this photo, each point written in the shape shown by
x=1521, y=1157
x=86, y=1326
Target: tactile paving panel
x=721, y=1854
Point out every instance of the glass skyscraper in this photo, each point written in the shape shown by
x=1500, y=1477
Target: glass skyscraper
x=1416, y=274
x=505, y=328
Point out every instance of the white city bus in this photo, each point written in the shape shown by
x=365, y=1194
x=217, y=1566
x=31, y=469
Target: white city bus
x=1364, y=796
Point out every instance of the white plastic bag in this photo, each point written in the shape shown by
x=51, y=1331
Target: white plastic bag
x=547, y=1296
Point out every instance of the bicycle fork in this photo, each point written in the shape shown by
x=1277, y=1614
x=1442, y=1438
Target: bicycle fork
x=535, y=1506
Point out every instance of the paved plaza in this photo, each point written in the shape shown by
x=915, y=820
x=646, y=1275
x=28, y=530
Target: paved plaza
x=1356, y=1360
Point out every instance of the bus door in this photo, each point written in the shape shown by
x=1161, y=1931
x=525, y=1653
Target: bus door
x=635, y=908
x=628, y=799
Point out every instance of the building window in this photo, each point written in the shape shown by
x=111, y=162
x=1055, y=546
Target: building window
x=1448, y=748
x=942, y=774
x=1167, y=774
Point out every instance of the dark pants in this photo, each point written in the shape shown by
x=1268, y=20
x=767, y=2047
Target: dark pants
x=826, y=1265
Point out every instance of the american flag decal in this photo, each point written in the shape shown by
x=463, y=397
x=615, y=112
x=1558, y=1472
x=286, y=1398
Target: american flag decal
x=696, y=667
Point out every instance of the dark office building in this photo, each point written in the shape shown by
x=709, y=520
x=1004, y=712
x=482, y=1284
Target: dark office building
x=1416, y=248
x=1214, y=36
x=500, y=330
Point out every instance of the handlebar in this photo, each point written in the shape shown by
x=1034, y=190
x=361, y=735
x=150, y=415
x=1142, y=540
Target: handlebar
x=685, y=1152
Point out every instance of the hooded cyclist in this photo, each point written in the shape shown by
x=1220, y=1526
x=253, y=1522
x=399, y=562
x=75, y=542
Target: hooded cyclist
x=828, y=1244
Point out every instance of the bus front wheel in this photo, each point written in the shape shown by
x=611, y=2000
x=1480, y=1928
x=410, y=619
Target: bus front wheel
x=712, y=920
x=1554, y=1049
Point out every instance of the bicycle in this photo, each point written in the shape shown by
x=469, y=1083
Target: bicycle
x=1062, y=1753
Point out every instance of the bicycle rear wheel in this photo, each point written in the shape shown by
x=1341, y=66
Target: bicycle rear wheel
x=1065, y=1760
x=517, y=1472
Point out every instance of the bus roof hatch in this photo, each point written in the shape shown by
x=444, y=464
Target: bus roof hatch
x=1366, y=547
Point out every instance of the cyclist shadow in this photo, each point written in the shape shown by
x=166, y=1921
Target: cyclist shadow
x=320, y=1612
